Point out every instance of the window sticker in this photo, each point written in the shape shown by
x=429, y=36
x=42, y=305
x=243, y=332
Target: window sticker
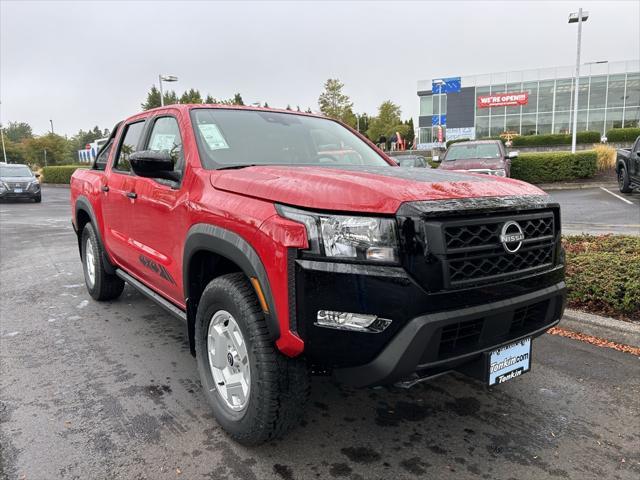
x=162, y=141
x=212, y=136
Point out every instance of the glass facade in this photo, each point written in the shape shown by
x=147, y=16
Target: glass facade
x=608, y=97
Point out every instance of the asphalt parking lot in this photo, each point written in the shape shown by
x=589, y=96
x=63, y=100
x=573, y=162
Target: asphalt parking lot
x=599, y=210
x=103, y=391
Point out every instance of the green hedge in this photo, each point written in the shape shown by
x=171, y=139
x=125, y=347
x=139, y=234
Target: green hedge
x=603, y=274
x=623, y=134
x=546, y=167
x=457, y=140
x=59, y=174
x=554, y=139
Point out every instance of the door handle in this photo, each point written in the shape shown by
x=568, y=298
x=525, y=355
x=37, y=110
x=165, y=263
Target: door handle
x=132, y=195
x=104, y=188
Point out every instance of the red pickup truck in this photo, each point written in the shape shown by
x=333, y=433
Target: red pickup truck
x=291, y=245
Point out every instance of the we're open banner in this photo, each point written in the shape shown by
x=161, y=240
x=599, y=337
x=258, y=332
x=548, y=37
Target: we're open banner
x=503, y=100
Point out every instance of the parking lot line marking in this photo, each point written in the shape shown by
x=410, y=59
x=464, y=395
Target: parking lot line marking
x=617, y=196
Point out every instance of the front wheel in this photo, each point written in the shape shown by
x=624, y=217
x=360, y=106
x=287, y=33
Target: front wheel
x=256, y=393
x=623, y=180
x=38, y=199
x=100, y=284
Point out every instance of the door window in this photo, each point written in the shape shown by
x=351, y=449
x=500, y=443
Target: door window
x=128, y=146
x=165, y=137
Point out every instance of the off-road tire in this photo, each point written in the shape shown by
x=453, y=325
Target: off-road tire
x=623, y=180
x=279, y=385
x=105, y=286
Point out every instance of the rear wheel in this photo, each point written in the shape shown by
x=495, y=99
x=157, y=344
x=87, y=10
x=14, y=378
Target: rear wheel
x=623, y=180
x=256, y=393
x=100, y=284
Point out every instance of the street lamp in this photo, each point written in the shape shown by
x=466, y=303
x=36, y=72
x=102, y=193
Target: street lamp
x=166, y=78
x=577, y=17
x=440, y=83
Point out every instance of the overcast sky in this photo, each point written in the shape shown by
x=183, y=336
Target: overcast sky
x=88, y=63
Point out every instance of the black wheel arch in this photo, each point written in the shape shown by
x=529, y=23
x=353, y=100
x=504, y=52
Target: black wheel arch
x=84, y=214
x=231, y=247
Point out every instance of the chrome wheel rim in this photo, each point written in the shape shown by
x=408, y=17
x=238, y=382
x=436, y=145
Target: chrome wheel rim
x=229, y=360
x=90, y=262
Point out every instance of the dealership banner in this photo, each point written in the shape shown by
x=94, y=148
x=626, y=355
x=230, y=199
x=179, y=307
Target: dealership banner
x=463, y=132
x=503, y=100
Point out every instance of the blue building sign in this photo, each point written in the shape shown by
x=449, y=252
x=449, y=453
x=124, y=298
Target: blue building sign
x=450, y=85
x=434, y=120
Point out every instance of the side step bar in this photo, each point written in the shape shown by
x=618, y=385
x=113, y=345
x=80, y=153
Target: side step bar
x=147, y=292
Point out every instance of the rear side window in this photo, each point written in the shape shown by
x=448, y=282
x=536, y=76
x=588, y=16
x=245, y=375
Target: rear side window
x=128, y=146
x=103, y=156
x=165, y=137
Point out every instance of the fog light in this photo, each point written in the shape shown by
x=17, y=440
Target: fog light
x=358, y=322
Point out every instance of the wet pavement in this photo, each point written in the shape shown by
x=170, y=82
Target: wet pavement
x=109, y=390
x=598, y=210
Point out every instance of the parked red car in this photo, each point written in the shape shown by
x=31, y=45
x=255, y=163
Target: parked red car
x=290, y=244
x=481, y=156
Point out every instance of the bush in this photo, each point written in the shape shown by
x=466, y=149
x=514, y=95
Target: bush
x=59, y=174
x=623, y=134
x=606, y=156
x=554, y=139
x=603, y=274
x=554, y=166
x=457, y=140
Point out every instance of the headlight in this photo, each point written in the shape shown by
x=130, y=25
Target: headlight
x=34, y=184
x=501, y=172
x=347, y=236
x=3, y=186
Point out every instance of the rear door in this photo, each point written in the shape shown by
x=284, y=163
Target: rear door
x=119, y=198
x=160, y=214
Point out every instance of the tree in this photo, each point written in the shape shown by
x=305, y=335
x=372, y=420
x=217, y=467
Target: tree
x=288, y=107
x=191, y=96
x=153, y=98
x=387, y=122
x=18, y=131
x=335, y=104
x=15, y=152
x=57, y=147
x=210, y=99
x=266, y=105
x=237, y=100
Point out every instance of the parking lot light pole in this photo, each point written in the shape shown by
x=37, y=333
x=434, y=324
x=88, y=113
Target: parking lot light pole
x=166, y=78
x=4, y=152
x=577, y=17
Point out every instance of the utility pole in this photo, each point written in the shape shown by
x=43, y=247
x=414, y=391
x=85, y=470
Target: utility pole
x=45, y=157
x=51, y=122
x=577, y=18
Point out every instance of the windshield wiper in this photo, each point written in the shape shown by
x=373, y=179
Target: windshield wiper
x=236, y=167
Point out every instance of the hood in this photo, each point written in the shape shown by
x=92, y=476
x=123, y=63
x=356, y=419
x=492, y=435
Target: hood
x=362, y=189
x=17, y=179
x=470, y=163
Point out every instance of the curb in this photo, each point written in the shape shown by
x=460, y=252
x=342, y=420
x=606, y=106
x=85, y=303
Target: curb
x=575, y=186
x=626, y=333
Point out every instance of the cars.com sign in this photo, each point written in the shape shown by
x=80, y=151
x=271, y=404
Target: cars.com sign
x=503, y=100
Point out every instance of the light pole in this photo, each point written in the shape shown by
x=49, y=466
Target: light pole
x=577, y=17
x=166, y=78
x=4, y=152
x=439, y=82
x=45, y=157
x=51, y=122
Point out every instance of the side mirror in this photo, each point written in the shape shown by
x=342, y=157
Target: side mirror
x=37, y=175
x=512, y=155
x=436, y=158
x=153, y=164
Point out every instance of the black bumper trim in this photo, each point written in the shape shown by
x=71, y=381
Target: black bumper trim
x=401, y=357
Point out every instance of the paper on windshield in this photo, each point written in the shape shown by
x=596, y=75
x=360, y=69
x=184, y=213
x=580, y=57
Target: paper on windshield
x=212, y=136
x=162, y=141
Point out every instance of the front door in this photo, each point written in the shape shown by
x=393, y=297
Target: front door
x=160, y=215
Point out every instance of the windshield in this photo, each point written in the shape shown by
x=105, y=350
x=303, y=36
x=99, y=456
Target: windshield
x=15, y=171
x=230, y=138
x=472, y=150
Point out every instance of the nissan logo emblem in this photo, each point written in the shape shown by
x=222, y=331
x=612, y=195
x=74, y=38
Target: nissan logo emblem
x=511, y=236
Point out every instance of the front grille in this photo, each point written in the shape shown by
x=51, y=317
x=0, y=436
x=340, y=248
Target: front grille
x=18, y=184
x=473, y=252
x=529, y=317
x=460, y=335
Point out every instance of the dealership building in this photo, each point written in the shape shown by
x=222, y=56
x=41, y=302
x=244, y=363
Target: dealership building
x=529, y=102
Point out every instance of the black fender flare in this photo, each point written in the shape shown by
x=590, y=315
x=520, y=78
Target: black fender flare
x=83, y=203
x=228, y=244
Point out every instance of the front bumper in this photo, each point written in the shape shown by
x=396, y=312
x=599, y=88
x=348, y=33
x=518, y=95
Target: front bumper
x=431, y=332
x=418, y=346
x=24, y=194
